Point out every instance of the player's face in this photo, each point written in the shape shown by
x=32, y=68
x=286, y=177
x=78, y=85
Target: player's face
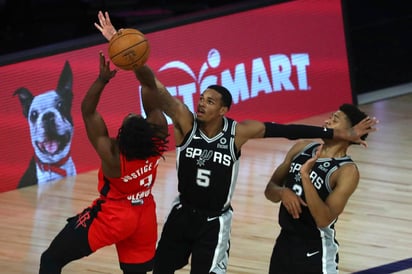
x=338, y=120
x=210, y=106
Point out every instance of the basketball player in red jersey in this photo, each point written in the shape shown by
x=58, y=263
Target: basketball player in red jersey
x=124, y=214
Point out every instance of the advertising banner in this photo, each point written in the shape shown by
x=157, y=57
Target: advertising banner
x=281, y=63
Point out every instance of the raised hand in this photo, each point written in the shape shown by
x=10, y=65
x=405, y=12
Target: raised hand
x=105, y=25
x=307, y=166
x=365, y=126
x=105, y=73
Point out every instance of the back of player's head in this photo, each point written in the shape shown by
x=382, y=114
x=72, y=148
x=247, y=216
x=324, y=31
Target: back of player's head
x=354, y=114
x=225, y=93
x=139, y=139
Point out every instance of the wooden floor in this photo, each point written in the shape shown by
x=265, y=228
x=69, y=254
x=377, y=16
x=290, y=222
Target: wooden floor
x=375, y=228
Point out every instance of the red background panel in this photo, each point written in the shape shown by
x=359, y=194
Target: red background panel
x=252, y=53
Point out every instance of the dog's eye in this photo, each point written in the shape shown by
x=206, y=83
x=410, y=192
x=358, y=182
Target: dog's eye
x=33, y=116
x=59, y=104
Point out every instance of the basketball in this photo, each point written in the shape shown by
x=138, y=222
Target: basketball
x=129, y=48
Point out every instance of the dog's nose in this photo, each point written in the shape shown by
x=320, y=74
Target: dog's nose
x=49, y=121
x=48, y=117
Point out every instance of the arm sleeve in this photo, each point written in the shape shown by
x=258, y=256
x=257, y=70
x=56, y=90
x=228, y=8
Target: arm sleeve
x=294, y=132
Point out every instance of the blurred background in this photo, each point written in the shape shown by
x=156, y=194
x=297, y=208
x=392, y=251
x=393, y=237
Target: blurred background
x=378, y=33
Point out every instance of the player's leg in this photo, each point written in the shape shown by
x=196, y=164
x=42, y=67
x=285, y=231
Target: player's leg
x=292, y=254
x=136, y=252
x=70, y=244
x=280, y=259
x=173, y=249
x=318, y=255
x=211, y=250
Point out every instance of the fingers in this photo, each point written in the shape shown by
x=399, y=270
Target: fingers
x=363, y=143
x=373, y=129
x=100, y=15
x=104, y=19
x=107, y=17
x=102, y=59
x=102, y=22
x=293, y=210
x=307, y=166
x=318, y=151
x=375, y=120
x=302, y=202
x=370, y=125
x=98, y=27
x=367, y=125
x=368, y=121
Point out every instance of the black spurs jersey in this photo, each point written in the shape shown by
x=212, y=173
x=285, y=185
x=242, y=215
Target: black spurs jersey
x=305, y=226
x=208, y=167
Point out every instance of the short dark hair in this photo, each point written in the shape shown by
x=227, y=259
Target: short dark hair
x=139, y=139
x=226, y=95
x=354, y=114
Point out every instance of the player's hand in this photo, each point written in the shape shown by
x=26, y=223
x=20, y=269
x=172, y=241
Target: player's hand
x=105, y=73
x=105, y=25
x=292, y=202
x=365, y=126
x=306, y=168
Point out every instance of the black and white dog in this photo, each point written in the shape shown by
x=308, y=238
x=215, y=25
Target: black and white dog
x=51, y=129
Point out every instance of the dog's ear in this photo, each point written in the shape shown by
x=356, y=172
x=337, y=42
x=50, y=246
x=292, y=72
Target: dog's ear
x=65, y=90
x=26, y=98
x=65, y=84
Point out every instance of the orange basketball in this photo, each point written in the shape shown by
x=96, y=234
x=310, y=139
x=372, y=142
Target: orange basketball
x=129, y=48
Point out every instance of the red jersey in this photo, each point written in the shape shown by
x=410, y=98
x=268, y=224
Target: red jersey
x=135, y=183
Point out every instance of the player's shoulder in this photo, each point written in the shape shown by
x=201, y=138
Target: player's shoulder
x=349, y=167
x=249, y=127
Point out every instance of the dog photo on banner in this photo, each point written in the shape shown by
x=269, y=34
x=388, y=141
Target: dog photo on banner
x=51, y=131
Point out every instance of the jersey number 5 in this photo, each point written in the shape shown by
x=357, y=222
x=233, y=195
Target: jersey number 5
x=202, y=178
